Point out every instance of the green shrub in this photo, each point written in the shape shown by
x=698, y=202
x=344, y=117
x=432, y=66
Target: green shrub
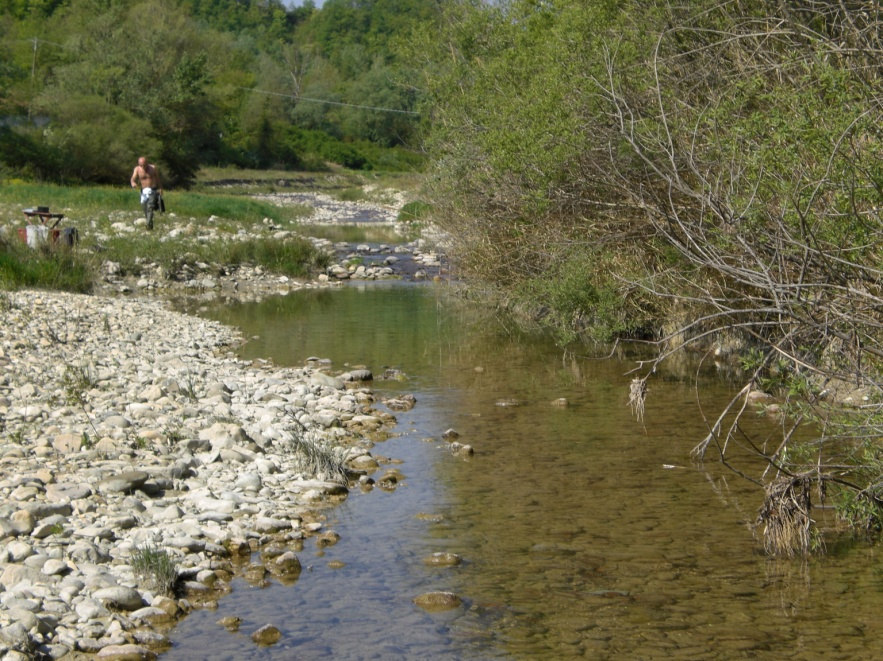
x=77, y=381
x=350, y=194
x=413, y=211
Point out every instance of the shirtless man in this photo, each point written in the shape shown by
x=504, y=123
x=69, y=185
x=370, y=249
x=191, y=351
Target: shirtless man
x=147, y=176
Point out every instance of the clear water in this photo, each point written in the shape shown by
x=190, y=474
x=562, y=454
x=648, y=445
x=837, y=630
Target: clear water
x=583, y=533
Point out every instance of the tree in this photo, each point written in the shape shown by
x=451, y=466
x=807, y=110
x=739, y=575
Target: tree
x=161, y=75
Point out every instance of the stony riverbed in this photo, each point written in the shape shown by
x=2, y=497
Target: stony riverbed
x=128, y=427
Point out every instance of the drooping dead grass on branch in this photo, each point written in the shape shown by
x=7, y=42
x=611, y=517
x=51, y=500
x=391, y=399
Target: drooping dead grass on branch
x=637, y=395
x=785, y=516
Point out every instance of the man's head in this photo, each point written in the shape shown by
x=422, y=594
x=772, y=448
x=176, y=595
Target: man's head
x=142, y=161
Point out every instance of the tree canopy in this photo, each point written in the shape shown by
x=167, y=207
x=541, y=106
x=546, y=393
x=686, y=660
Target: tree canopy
x=84, y=86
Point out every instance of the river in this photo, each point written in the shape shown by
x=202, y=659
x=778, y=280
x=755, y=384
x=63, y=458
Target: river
x=583, y=532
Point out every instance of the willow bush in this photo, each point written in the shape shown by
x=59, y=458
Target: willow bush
x=728, y=155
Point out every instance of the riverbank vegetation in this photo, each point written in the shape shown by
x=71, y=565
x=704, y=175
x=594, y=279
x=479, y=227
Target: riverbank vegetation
x=689, y=173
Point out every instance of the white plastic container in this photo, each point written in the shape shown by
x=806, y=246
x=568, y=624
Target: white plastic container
x=36, y=235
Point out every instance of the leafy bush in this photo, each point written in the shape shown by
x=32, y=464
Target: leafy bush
x=97, y=142
x=23, y=151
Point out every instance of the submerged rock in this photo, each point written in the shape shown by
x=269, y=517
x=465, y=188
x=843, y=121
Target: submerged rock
x=442, y=559
x=128, y=652
x=266, y=635
x=437, y=601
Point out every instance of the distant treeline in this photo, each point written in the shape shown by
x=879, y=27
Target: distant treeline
x=86, y=86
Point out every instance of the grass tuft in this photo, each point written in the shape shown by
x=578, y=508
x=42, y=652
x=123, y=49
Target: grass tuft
x=155, y=568
x=318, y=458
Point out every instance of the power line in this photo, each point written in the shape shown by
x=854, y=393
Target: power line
x=331, y=103
x=35, y=41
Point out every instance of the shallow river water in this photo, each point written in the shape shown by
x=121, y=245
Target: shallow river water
x=583, y=532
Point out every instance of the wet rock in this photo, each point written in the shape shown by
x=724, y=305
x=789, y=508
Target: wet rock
x=437, y=601
x=358, y=375
x=170, y=606
x=442, y=559
x=461, y=449
x=129, y=652
x=266, y=635
x=230, y=623
x=255, y=573
x=329, y=538
x=401, y=403
x=286, y=564
x=151, y=615
x=390, y=479
x=364, y=462
x=392, y=374
x=120, y=597
x=150, y=639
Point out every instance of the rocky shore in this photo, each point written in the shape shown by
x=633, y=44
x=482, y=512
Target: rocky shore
x=134, y=440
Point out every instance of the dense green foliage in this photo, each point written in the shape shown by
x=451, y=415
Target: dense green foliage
x=620, y=167
x=86, y=87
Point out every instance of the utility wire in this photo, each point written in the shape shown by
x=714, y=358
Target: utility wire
x=331, y=103
x=36, y=40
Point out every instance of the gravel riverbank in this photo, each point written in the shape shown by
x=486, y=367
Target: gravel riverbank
x=128, y=429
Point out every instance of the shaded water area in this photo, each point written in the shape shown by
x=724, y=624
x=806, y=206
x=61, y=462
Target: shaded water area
x=583, y=533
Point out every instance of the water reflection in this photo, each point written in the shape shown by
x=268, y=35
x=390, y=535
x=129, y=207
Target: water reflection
x=583, y=533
